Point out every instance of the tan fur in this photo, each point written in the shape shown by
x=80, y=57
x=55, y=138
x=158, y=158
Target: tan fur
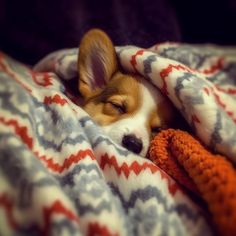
x=120, y=90
x=95, y=40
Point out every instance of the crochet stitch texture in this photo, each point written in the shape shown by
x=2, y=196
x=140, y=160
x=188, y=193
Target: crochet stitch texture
x=211, y=176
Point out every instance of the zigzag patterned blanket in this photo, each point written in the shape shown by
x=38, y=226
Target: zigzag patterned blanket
x=60, y=175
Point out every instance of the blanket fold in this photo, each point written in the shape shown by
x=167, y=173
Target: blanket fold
x=200, y=80
x=210, y=174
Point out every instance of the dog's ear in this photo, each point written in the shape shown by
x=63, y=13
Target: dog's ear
x=96, y=63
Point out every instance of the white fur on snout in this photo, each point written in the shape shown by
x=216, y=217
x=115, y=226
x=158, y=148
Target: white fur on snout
x=136, y=124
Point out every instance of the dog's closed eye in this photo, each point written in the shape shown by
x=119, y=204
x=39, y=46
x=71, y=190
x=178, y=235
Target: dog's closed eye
x=120, y=107
x=115, y=105
x=114, y=108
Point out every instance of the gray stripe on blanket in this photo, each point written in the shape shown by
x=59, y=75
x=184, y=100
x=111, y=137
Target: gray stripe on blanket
x=150, y=192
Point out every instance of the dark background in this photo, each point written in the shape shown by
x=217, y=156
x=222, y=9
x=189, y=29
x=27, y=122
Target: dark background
x=30, y=29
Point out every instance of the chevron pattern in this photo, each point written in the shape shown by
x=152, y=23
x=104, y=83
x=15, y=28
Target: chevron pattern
x=61, y=175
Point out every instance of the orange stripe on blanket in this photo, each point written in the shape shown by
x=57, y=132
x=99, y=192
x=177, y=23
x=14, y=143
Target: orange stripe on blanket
x=56, y=208
x=166, y=71
x=42, y=79
x=186, y=160
x=137, y=168
x=179, y=67
x=95, y=229
x=55, y=99
x=20, y=130
x=133, y=60
x=7, y=205
x=68, y=162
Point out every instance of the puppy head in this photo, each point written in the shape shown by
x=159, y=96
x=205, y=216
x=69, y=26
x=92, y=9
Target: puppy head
x=128, y=107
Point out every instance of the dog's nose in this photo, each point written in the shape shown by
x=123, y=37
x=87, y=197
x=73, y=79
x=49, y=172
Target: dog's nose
x=132, y=143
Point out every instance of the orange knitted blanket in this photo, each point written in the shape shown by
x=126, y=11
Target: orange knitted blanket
x=210, y=176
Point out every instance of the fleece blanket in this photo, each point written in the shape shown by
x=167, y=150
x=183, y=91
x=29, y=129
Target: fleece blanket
x=59, y=173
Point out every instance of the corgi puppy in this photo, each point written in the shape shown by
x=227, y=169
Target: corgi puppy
x=128, y=107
